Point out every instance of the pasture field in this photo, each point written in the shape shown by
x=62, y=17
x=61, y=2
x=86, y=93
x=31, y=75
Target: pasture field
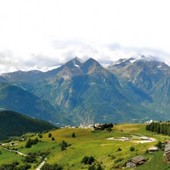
x=110, y=154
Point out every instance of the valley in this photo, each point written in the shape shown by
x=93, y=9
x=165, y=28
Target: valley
x=84, y=85
x=76, y=96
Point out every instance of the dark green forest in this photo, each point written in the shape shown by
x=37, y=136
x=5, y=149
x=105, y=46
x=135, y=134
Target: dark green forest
x=15, y=124
x=159, y=127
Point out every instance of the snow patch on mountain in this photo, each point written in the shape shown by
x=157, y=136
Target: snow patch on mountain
x=127, y=61
x=132, y=60
x=159, y=66
x=76, y=65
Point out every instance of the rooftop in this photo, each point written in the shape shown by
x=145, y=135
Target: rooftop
x=167, y=148
x=138, y=159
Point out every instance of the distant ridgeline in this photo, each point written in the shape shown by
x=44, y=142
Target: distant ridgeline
x=129, y=90
x=159, y=127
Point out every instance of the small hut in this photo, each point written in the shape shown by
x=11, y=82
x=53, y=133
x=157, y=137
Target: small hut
x=138, y=160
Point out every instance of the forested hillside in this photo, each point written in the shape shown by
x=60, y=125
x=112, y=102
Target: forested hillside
x=15, y=124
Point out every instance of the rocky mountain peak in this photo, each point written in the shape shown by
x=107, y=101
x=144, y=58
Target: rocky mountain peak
x=123, y=62
x=75, y=62
x=91, y=66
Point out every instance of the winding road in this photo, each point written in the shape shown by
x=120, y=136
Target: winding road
x=22, y=154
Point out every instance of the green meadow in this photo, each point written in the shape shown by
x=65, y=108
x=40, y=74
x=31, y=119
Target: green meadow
x=110, y=154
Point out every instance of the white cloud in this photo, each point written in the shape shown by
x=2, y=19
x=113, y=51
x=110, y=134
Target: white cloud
x=42, y=33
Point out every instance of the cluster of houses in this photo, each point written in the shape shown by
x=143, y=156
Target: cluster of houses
x=96, y=126
x=81, y=127
x=139, y=160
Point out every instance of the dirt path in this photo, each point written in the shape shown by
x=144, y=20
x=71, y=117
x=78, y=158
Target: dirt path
x=17, y=152
x=22, y=154
x=41, y=164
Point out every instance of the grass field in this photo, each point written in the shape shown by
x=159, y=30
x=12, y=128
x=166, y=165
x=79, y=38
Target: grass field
x=93, y=143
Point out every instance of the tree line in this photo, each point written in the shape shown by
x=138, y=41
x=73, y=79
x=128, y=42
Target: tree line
x=159, y=127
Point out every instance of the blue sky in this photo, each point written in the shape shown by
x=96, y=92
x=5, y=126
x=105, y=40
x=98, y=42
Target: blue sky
x=38, y=34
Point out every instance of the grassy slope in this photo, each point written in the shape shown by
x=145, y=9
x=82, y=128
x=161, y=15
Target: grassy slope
x=95, y=144
x=8, y=157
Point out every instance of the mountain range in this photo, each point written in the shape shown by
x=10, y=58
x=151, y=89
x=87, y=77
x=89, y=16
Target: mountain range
x=128, y=90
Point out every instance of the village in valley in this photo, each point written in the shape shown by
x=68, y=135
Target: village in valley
x=143, y=145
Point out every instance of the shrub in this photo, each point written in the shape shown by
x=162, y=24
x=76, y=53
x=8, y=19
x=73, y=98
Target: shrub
x=109, y=129
x=40, y=135
x=132, y=149
x=31, y=142
x=28, y=144
x=73, y=135
x=64, y=145
x=159, y=145
x=119, y=149
x=88, y=160
x=49, y=135
x=30, y=159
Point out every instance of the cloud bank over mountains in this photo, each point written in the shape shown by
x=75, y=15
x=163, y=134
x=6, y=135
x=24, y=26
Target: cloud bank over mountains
x=60, y=51
x=38, y=34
